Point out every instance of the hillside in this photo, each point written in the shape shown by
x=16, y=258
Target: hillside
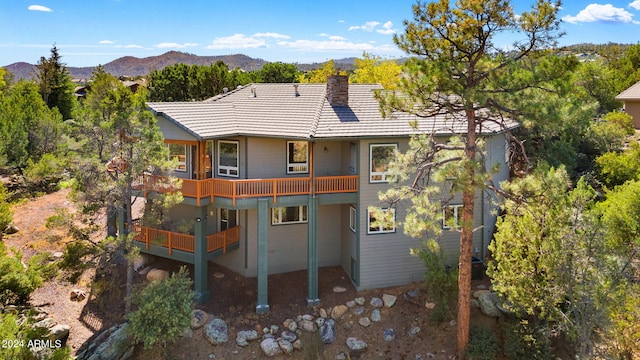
x=133, y=66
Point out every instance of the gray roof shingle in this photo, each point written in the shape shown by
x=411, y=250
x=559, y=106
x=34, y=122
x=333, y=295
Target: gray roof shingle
x=632, y=93
x=275, y=111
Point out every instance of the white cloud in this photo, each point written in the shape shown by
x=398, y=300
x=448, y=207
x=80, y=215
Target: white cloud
x=602, y=13
x=332, y=37
x=341, y=21
x=272, y=35
x=236, y=41
x=635, y=4
x=387, y=28
x=170, y=45
x=39, y=8
x=368, y=26
x=106, y=42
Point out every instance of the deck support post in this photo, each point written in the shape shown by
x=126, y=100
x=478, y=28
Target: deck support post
x=200, y=262
x=312, y=252
x=262, y=306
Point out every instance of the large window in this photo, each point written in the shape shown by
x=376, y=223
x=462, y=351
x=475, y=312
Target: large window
x=450, y=216
x=381, y=221
x=380, y=155
x=289, y=215
x=178, y=152
x=297, y=157
x=228, y=158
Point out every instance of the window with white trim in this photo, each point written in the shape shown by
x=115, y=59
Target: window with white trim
x=297, y=157
x=228, y=158
x=385, y=224
x=352, y=218
x=178, y=152
x=450, y=216
x=380, y=155
x=289, y=215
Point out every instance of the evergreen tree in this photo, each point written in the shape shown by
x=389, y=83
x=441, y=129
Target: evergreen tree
x=55, y=84
x=457, y=70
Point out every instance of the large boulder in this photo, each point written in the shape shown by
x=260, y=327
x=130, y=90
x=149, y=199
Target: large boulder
x=157, y=275
x=489, y=304
x=216, y=331
x=328, y=333
x=112, y=344
x=141, y=261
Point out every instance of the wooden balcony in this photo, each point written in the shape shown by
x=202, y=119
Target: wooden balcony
x=252, y=188
x=185, y=242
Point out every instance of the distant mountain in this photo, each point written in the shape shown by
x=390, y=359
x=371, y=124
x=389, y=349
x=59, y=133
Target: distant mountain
x=132, y=66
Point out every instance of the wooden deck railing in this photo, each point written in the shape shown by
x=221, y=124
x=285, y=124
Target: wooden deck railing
x=223, y=239
x=249, y=188
x=178, y=241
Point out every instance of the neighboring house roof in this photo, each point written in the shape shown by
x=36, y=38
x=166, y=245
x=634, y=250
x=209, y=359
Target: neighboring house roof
x=632, y=93
x=274, y=110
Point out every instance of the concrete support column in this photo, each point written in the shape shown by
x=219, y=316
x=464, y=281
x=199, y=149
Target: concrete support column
x=312, y=252
x=200, y=262
x=262, y=306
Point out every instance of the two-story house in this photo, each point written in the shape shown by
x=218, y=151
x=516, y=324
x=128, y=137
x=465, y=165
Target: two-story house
x=280, y=177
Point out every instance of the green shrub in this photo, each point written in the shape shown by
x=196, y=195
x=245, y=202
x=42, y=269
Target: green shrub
x=164, y=310
x=16, y=282
x=525, y=341
x=45, y=174
x=441, y=282
x=19, y=333
x=483, y=344
x=6, y=216
x=622, y=120
x=74, y=260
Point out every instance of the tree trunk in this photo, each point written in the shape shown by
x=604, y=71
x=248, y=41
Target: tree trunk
x=466, y=240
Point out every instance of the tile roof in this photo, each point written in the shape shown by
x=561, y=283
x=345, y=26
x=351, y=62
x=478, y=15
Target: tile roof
x=632, y=93
x=276, y=111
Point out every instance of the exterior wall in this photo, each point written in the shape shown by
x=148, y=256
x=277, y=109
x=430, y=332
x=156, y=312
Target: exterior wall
x=385, y=259
x=267, y=158
x=497, y=147
x=633, y=108
x=287, y=244
x=348, y=243
x=172, y=131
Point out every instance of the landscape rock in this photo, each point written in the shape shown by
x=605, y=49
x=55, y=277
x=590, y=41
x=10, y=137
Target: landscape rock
x=145, y=270
x=351, y=304
x=243, y=337
x=218, y=275
x=285, y=346
x=355, y=344
x=338, y=311
x=141, y=261
x=60, y=332
x=389, y=300
x=375, y=315
x=323, y=313
x=478, y=293
x=289, y=336
x=328, y=332
x=364, y=321
x=307, y=325
x=376, y=302
x=47, y=323
x=320, y=321
x=58, y=254
x=157, y=275
x=359, y=301
x=112, y=344
x=430, y=305
x=415, y=330
x=488, y=304
x=77, y=295
x=339, y=289
x=389, y=334
x=359, y=310
x=291, y=325
x=11, y=229
x=297, y=344
x=270, y=347
x=216, y=331
x=198, y=318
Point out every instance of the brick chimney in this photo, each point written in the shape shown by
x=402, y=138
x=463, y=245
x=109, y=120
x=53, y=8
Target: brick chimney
x=338, y=90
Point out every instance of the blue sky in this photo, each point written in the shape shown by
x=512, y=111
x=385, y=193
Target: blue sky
x=88, y=33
